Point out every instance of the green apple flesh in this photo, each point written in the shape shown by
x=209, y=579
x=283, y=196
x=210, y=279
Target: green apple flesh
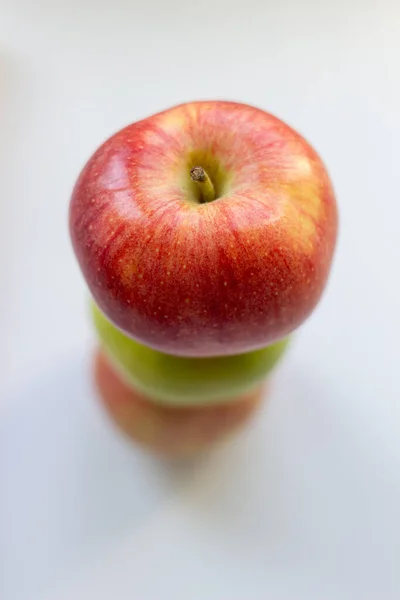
x=182, y=381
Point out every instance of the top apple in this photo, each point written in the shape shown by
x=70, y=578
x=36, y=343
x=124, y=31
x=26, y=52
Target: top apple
x=207, y=229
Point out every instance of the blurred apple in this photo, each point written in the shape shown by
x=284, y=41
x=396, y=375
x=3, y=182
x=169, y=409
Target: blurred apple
x=180, y=381
x=171, y=432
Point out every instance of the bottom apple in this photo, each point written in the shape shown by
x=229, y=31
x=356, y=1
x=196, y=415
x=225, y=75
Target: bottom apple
x=172, y=432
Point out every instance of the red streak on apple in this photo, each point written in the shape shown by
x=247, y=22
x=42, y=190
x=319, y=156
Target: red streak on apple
x=214, y=278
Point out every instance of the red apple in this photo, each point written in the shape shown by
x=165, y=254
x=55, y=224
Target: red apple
x=173, y=432
x=205, y=230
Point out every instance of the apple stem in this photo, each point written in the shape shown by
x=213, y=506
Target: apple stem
x=201, y=178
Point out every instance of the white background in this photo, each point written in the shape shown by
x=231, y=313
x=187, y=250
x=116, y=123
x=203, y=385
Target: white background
x=305, y=503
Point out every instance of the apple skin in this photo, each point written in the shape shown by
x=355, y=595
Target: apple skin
x=205, y=279
x=181, y=381
x=171, y=432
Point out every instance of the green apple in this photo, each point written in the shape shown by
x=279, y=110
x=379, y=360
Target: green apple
x=182, y=381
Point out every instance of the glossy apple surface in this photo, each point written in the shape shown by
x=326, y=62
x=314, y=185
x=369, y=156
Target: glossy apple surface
x=181, y=381
x=195, y=278
x=171, y=432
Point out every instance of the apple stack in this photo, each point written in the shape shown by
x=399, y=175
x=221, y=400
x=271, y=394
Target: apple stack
x=205, y=234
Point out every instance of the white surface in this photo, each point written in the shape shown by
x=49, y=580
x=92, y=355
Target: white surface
x=303, y=505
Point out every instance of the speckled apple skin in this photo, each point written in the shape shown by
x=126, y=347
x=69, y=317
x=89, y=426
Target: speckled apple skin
x=194, y=279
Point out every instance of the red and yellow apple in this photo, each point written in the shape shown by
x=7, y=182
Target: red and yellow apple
x=172, y=432
x=205, y=230
x=182, y=381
